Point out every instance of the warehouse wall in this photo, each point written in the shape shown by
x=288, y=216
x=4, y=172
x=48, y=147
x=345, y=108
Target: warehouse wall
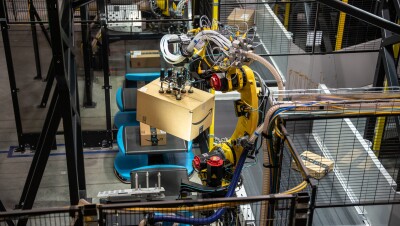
x=340, y=70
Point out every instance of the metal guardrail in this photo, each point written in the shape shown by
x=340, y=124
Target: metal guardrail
x=133, y=213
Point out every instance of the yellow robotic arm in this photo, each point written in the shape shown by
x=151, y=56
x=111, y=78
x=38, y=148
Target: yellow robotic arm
x=219, y=61
x=214, y=167
x=167, y=8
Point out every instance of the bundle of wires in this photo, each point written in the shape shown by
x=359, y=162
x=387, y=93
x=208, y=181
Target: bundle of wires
x=169, y=57
x=211, y=36
x=180, y=7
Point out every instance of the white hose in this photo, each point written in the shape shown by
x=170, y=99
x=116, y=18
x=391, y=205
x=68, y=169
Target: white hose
x=211, y=35
x=167, y=55
x=179, y=7
x=269, y=66
x=143, y=223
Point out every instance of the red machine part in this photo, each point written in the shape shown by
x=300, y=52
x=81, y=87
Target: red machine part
x=215, y=82
x=197, y=162
x=215, y=161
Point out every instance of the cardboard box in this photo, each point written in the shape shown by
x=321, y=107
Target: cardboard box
x=317, y=165
x=145, y=59
x=150, y=136
x=240, y=17
x=185, y=118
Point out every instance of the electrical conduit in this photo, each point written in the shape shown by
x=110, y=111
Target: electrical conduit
x=268, y=65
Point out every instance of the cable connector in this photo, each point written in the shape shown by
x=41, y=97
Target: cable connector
x=245, y=143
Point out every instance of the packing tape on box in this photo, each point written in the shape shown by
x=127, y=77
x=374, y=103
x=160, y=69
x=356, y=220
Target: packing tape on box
x=315, y=162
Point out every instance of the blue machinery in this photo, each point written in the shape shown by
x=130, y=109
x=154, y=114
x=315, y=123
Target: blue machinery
x=125, y=120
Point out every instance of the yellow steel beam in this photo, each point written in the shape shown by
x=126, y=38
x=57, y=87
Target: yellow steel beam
x=379, y=128
x=215, y=14
x=340, y=30
x=212, y=127
x=396, y=47
x=276, y=8
x=380, y=123
x=287, y=15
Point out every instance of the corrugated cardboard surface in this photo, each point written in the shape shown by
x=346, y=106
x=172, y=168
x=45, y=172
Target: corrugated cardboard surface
x=317, y=165
x=145, y=136
x=185, y=118
x=240, y=17
x=145, y=59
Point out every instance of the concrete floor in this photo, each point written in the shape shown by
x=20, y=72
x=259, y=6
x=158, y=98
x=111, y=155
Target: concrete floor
x=14, y=166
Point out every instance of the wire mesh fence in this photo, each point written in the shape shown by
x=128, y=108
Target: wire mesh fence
x=216, y=211
x=141, y=15
x=282, y=27
x=339, y=137
x=302, y=27
x=35, y=11
x=225, y=211
x=57, y=217
x=19, y=10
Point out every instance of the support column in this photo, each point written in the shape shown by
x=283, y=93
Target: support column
x=11, y=74
x=87, y=56
x=35, y=41
x=106, y=68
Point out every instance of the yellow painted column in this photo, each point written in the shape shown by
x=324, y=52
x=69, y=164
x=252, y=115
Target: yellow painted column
x=396, y=47
x=276, y=8
x=212, y=127
x=378, y=130
x=287, y=15
x=340, y=30
x=380, y=123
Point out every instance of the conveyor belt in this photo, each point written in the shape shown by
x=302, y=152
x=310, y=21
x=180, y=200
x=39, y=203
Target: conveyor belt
x=129, y=99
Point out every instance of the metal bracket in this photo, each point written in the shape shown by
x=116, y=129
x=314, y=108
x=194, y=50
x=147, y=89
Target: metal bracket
x=4, y=25
x=106, y=87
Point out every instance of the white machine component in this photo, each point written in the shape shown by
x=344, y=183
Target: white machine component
x=246, y=215
x=117, y=14
x=137, y=193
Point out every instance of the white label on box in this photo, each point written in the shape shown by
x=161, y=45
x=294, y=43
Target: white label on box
x=245, y=16
x=143, y=89
x=137, y=53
